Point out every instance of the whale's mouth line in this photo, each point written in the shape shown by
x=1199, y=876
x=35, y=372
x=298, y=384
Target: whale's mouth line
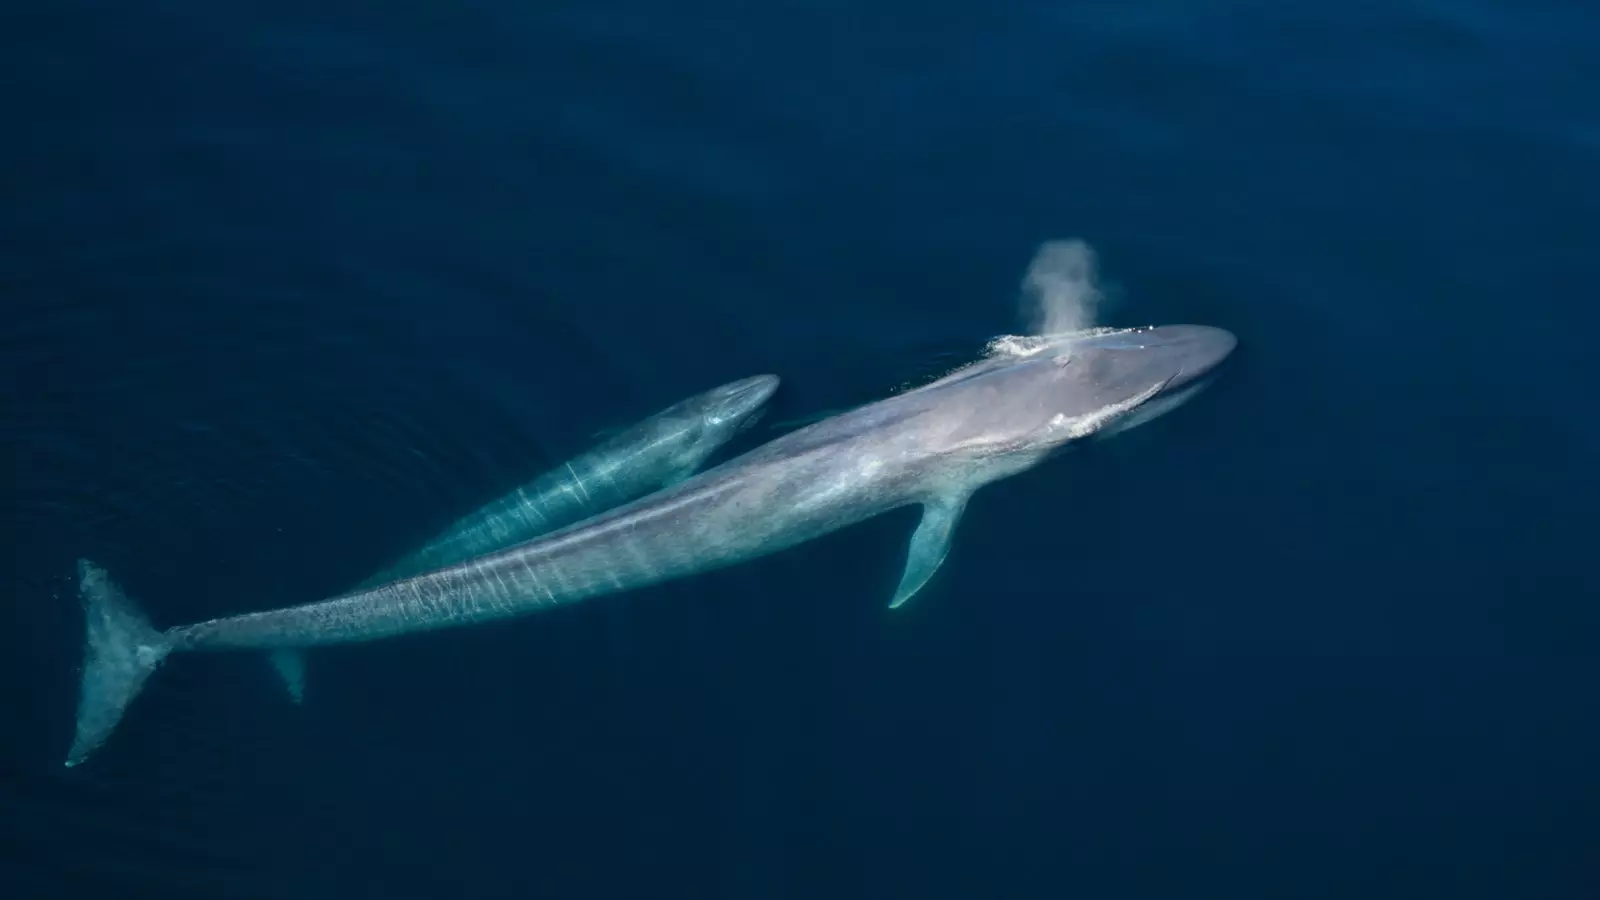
x=751, y=419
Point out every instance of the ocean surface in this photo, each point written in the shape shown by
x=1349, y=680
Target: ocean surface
x=285, y=287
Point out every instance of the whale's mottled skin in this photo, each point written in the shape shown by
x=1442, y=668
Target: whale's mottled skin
x=932, y=446
x=656, y=452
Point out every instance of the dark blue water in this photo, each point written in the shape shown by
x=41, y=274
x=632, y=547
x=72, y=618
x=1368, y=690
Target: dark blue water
x=288, y=286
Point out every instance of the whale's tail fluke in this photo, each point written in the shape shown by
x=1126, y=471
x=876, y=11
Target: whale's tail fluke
x=121, y=652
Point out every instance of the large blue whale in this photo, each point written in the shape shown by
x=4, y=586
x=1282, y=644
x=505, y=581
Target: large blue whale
x=933, y=446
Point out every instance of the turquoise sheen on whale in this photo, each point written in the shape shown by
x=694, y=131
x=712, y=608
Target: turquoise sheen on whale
x=657, y=452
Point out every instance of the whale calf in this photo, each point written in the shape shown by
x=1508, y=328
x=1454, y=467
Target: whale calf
x=933, y=446
x=656, y=452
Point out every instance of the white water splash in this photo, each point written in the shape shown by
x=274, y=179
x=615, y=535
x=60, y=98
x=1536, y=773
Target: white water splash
x=1060, y=291
x=1019, y=345
x=1061, y=300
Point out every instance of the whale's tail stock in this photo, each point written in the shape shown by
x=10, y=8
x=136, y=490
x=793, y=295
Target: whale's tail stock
x=121, y=651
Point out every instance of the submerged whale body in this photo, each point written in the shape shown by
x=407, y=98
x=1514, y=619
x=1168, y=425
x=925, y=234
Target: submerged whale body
x=656, y=452
x=933, y=446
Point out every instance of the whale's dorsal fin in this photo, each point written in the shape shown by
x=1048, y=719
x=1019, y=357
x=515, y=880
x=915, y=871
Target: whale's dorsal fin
x=929, y=543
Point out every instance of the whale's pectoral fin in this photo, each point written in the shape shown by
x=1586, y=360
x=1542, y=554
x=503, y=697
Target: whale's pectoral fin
x=291, y=667
x=929, y=544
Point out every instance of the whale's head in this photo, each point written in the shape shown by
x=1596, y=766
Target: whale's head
x=1042, y=393
x=697, y=427
x=737, y=405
